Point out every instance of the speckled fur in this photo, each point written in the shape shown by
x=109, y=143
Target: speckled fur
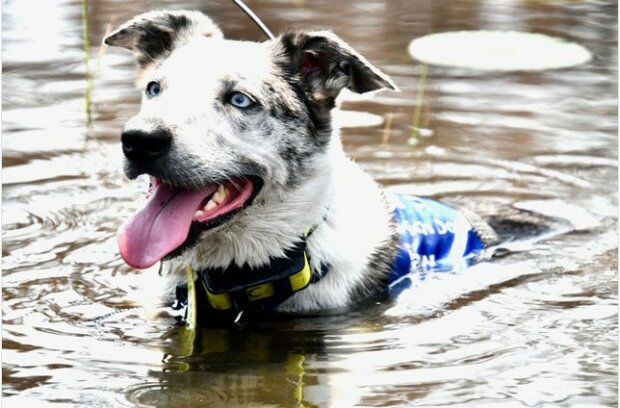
x=287, y=140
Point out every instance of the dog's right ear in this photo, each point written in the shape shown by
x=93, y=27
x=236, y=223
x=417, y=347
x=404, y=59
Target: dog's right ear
x=152, y=36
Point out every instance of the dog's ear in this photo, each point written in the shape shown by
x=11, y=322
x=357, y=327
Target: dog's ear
x=153, y=35
x=326, y=64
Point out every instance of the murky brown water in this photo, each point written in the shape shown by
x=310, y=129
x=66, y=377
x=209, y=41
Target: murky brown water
x=537, y=328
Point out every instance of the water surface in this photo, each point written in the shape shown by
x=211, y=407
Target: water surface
x=536, y=328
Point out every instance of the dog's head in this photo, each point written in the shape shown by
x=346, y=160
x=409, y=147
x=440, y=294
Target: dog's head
x=225, y=125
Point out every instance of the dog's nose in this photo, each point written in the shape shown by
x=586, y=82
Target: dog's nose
x=141, y=145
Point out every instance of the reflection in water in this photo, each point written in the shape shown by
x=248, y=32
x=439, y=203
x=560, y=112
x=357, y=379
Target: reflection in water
x=238, y=367
x=537, y=327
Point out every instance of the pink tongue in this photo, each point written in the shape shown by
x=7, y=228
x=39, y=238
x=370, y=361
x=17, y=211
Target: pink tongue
x=156, y=230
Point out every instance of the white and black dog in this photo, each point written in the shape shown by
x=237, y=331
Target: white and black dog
x=250, y=184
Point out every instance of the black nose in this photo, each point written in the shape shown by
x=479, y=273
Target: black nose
x=141, y=145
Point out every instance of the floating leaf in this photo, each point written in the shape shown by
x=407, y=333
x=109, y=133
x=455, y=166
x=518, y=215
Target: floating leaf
x=498, y=51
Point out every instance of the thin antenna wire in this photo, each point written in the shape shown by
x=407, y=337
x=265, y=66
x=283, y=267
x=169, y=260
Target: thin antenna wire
x=255, y=18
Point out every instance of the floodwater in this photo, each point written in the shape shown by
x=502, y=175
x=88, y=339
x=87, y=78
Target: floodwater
x=536, y=328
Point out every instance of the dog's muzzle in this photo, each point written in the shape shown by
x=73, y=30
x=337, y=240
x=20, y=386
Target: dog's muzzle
x=139, y=145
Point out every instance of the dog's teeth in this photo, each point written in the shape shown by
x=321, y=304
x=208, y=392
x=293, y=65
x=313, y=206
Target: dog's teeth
x=217, y=197
x=220, y=194
x=199, y=213
x=210, y=205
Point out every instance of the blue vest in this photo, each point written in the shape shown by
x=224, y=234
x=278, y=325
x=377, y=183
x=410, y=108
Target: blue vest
x=433, y=236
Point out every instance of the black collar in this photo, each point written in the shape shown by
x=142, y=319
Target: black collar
x=221, y=295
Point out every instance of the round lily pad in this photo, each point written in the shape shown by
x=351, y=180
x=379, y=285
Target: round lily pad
x=498, y=51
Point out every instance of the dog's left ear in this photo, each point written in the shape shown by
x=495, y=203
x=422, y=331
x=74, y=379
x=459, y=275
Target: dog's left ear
x=152, y=36
x=326, y=64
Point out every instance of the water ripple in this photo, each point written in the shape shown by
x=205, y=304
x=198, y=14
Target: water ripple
x=536, y=327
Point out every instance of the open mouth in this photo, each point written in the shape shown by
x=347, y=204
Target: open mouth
x=163, y=225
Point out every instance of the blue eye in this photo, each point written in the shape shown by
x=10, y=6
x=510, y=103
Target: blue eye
x=153, y=89
x=240, y=100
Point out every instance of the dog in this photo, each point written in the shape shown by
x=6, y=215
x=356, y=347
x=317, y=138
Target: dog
x=251, y=190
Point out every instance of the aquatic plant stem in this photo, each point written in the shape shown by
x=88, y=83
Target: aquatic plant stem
x=90, y=75
x=419, y=103
x=387, y=128
x=86, y=46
